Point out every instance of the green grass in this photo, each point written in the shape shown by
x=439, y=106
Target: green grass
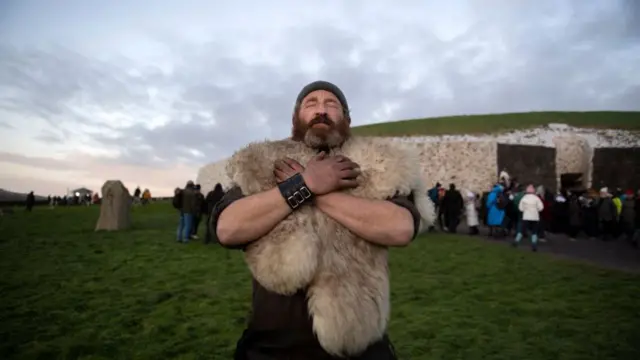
x=70, y=293
x=494, y=123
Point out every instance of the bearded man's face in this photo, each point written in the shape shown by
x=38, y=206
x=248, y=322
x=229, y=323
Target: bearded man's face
x=320, y=121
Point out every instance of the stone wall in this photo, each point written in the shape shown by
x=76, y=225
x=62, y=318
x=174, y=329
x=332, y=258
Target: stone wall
x=475, y=165
x=530, y=164
x=469, y=165
x=573, y=155
x=616, y=168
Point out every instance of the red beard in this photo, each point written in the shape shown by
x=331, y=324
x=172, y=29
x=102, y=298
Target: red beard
x=333, y=135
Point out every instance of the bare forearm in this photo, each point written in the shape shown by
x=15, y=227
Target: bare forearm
x=251, y=217
x=377, y=221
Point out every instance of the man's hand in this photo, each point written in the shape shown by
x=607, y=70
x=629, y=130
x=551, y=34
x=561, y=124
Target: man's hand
x=285, y=168
x=327, y=174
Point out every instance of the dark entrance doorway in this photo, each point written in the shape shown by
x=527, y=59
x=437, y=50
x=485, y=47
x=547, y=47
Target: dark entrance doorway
x=571, y=182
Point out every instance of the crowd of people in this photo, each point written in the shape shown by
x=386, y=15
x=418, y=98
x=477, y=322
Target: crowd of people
x=141, y=197
x=509, y=209
x=514, y=209
x=194, y=206
x=70, y=200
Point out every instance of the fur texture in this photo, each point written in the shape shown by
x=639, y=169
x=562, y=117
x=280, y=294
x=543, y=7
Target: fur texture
x=346, y=276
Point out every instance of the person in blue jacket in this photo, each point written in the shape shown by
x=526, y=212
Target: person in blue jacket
x=433, y=195
x=495, y=206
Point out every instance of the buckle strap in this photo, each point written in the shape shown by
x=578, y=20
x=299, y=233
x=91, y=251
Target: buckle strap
x=295, y=191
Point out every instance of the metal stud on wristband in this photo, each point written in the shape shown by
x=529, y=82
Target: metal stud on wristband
x=295, y=191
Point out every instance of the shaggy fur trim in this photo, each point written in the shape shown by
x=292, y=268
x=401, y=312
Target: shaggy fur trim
x=346, y=277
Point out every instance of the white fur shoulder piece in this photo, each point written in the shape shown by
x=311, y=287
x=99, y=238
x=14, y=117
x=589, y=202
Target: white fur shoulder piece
x=346, y=277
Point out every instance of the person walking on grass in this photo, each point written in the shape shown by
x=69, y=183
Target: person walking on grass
x=530, y=206
x=31, y=200
x=211, y=200
x=202, y=209
x=188, y=210
x=453, y=205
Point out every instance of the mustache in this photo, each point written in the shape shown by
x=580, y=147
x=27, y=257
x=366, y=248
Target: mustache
x=321, y=119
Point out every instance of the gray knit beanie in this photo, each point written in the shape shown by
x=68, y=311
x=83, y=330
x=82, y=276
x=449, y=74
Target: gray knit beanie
x=323, y=85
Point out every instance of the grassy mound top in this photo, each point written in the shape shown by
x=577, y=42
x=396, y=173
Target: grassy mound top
x=495, y=123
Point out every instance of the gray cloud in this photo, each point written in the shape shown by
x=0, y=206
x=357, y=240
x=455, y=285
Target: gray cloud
x=514, y=57
x=51, y=136
x=40, y=162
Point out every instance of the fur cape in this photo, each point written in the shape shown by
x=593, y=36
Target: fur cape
x=346, y=277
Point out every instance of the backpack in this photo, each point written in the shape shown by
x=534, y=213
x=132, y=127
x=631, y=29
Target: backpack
x=502, y=201
x=177, y=201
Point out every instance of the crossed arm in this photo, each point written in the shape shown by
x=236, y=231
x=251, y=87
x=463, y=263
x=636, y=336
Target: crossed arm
x=238, y=220
x=381, y=222
x=386, y=223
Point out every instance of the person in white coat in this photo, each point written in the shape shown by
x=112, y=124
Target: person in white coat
x=471, y=211
x=530, y=206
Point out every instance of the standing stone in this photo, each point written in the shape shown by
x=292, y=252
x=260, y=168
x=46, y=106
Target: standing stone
x=115, y=210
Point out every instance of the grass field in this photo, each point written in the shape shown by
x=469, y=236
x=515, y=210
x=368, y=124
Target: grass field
x=70, y=293
x=493, y=123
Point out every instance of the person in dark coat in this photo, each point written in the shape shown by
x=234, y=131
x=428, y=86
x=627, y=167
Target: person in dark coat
x=590, y=214
x=484, y=211
x=213, y=197
x=433, y=196
x=31, y=200
x=560, y=214
x=511, y=212
x=607, y=215
x=575, y=216
x=628, y=215
x=452, y=206
x=189, y=208
x=200, y=205
x=546, y=217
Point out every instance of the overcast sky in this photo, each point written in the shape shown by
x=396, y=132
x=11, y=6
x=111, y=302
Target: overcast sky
x=149, y=91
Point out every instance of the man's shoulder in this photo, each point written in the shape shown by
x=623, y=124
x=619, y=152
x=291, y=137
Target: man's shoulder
x=391, y=155
x=251, y=167
x=266, y=147
x=255, y=154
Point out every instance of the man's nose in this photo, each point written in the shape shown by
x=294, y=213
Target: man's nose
x=321, y=109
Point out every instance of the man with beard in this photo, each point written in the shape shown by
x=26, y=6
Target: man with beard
x=315, y=215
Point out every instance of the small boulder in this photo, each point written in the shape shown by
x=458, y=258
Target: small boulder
x=115, y=210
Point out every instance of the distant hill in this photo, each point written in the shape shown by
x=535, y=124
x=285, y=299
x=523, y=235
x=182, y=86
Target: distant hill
x=10, y=196
x=496, y=123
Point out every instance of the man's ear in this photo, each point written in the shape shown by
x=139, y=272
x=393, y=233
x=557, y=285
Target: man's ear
x=296, y=110
x=293, y=122
x=347, y=116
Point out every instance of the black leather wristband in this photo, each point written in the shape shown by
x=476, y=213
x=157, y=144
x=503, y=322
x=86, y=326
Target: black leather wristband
x=295, y=191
